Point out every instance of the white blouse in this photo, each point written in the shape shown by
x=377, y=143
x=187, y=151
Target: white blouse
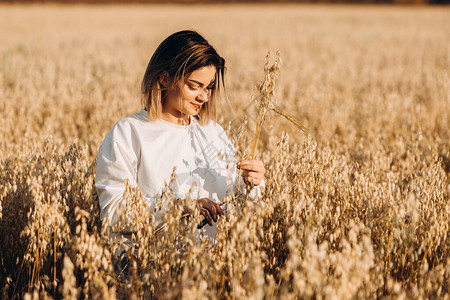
x=145, y=152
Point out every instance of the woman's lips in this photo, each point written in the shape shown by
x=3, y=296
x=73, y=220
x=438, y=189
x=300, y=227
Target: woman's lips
x=197, y=106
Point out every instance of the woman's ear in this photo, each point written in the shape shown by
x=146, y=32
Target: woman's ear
x=164, y=79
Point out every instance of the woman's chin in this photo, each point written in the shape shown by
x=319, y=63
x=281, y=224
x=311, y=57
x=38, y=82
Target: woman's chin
x=194, y=112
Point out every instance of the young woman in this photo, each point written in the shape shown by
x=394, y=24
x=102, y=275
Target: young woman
x=176, y=129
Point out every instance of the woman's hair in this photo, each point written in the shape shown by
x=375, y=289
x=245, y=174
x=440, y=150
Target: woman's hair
x=179, y=55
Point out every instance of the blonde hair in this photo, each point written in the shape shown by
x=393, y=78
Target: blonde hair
x=178, y=56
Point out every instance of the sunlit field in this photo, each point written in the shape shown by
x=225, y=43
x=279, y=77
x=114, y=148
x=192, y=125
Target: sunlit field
x=357, y=206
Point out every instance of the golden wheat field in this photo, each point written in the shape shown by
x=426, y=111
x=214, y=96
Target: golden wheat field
x=356, y=207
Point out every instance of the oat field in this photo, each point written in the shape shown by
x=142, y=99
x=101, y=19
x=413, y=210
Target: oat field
x=355, y=208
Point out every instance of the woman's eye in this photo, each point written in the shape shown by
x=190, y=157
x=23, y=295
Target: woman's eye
x=192, y=87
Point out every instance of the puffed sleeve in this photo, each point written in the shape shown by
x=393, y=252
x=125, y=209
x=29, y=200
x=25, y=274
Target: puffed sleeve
x=114, y=164
x=118, y=160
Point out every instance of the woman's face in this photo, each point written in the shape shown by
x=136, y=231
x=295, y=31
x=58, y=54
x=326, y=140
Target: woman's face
x=187, y=98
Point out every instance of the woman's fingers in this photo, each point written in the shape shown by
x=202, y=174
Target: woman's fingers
x=252, y=177
x=252, y=174
x=212, y=211
x=205, y=213
x=252, y=165
x=250, y=180
x=219, y=209
x=252, y=171
x=207, y=204
x=209, y=210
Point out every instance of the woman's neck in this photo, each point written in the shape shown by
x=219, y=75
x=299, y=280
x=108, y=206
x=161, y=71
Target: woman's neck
x=175, y=117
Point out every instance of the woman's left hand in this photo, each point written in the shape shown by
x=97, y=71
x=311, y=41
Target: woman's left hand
x=252, y=171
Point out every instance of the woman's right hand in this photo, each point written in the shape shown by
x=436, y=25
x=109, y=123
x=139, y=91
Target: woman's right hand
x=209, y=209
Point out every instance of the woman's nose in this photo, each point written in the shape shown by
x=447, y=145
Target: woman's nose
x=204, y=95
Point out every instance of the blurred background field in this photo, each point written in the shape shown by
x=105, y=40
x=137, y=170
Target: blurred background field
x=371, y=84
x=350, y=73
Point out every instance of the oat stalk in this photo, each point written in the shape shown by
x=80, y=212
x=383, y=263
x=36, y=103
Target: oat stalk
x=266, y=95
x=267, y=98
x=291, y=119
